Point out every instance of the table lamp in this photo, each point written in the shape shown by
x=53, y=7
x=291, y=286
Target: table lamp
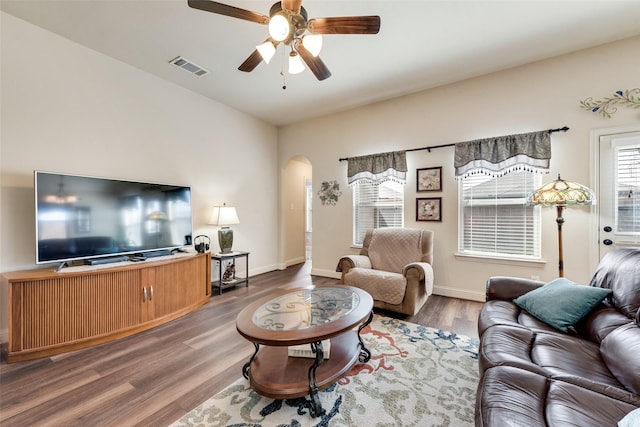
x=224, y=216
x=561, y=193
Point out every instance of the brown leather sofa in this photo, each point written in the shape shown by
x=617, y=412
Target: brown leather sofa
x=532, y=374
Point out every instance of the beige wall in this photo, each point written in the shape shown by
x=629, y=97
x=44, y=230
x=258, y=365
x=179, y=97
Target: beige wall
x=539, y=96
x=69, y=109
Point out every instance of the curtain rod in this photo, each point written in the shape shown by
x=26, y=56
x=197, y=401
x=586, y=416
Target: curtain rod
x=431, y=147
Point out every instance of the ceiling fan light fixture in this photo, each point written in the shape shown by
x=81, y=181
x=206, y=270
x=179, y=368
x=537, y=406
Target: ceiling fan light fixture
x=267, y=50
x=279, y=27
x=295, y=63
x=313, y=43
x=289, y=23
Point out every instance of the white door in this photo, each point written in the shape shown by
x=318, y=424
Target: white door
x=618, y=191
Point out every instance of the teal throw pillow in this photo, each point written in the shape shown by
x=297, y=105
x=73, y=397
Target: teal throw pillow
x=561, y=303
x=632, y=419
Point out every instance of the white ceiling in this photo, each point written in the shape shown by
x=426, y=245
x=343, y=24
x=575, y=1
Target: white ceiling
x=421, y=44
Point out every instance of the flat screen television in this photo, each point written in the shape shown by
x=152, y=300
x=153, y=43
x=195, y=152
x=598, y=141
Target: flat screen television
x=86, y=218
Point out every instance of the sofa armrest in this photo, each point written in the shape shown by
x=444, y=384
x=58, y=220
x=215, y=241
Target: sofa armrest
x=419, y=269
x=348, y=262
x=507, y=288
x=419, y=277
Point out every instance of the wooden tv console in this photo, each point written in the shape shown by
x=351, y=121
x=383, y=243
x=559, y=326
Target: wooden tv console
x=51, y=313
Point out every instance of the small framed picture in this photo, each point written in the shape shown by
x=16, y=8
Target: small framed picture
x=429, y=179
x=429, y=209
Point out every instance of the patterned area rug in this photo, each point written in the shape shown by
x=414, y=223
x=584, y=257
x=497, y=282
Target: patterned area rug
x=417, y=376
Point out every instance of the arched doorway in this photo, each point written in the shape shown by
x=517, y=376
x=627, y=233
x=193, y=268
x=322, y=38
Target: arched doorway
x=297, y=210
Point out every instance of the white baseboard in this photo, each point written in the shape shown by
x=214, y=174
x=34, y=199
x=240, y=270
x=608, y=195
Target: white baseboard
x=294, y=261
x=325, y=273
x=459, y=293
x=265, y=269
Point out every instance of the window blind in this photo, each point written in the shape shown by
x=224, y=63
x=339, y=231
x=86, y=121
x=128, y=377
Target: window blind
x=494, y=219
x=376, y=206
x=628, y=190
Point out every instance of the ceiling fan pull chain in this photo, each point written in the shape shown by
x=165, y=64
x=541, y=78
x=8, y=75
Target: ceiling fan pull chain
x=282, y=70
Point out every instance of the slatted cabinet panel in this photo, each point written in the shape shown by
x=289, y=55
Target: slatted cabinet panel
x=66, y=310
x=51, y=313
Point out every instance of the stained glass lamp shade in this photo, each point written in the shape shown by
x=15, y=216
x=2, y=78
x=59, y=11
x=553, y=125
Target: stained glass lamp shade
x=561, y=193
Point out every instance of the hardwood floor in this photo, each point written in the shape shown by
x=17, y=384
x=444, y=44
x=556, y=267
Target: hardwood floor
x=155, y=377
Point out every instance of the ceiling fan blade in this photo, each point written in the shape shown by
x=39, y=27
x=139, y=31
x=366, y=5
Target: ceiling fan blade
x=345, y=25
x=251, y=62
x=292, y=5
x=232, y=11
x=314, y=63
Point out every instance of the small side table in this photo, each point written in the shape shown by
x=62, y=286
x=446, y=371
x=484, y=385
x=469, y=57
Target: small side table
x=228, y=282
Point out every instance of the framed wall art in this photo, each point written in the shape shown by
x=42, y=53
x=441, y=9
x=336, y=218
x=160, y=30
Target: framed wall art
x=429, y=209
x=429, y=179
x=329, y=193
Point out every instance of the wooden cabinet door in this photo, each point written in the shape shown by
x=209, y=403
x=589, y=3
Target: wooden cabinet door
x=178, y=286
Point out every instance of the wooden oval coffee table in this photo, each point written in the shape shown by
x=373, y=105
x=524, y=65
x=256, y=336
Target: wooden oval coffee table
x=304, y=316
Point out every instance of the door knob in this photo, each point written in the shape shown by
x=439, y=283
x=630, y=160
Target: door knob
x=607, y=242
x=608, y=229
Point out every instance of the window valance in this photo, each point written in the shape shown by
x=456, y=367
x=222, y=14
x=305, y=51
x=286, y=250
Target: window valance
x=377, y=168
x=498, y=156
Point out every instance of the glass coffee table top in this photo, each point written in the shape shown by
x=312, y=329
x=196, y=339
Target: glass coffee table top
x=303, y=315
x=306, y=308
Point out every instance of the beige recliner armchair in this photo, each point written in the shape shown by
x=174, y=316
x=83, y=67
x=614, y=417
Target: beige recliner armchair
x=394, y=266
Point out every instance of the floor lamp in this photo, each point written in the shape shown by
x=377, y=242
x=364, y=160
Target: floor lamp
x=561, y=193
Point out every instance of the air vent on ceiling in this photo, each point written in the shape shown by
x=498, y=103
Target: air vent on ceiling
x=185, y=64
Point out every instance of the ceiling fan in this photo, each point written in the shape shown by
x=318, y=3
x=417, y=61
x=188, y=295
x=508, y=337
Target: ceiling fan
x=288, y=23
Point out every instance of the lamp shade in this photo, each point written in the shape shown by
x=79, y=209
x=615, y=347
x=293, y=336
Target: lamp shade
x=224, y=215
x=267, y=50
x=295, y=63
x=279, y=28
x=313, y=43
x=562, y=193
